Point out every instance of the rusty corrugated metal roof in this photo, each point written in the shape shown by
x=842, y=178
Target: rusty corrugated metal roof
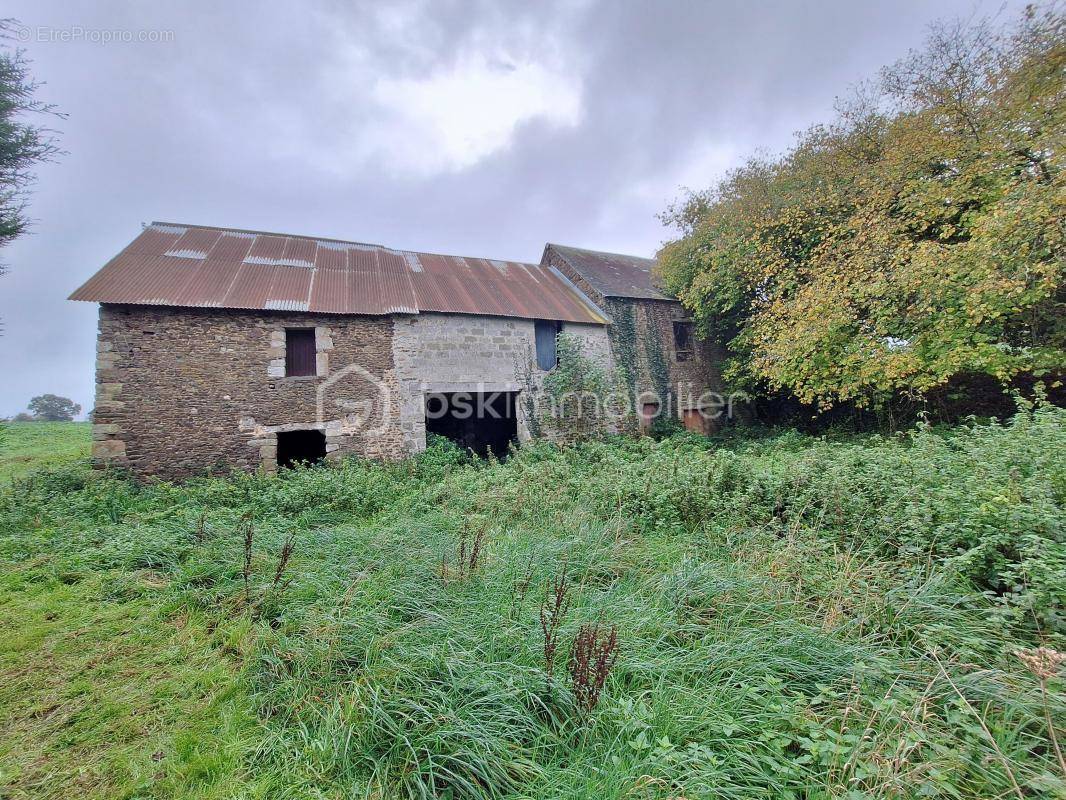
x=198, y=266
x=613, y=274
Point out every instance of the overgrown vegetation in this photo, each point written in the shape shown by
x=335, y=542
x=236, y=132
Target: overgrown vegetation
x=915, y=243
x=584, y=395
x=786, y=616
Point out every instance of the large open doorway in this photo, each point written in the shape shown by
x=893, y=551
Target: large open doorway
x=294, y=447
x=481, y=421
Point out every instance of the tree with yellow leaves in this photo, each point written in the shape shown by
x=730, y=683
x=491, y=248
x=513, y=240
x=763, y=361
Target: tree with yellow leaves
x=919, y=237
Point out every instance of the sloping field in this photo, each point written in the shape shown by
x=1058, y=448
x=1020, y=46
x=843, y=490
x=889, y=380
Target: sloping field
x=26, y=446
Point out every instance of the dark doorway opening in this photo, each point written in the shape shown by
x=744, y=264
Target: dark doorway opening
x=481, y=421
x=301, y=446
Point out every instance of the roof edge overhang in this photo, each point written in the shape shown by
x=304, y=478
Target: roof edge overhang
x=593, y=308
x=604, y=318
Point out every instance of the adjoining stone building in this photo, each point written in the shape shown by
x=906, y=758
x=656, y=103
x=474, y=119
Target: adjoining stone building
x=669, y=370
x=223, y=348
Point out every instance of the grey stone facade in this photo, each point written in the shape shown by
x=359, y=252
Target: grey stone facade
x=460, y=353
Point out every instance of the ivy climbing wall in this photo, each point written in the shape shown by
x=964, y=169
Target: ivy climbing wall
x=642, y=341
x=641, y=334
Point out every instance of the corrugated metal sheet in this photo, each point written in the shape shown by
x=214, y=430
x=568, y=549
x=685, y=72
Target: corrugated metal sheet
x=194, y=243
x=329, y=291
x=196, y=266
x=613, y=274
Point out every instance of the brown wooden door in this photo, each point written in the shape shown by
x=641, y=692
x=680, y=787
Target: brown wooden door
x=693, y=420
x=648, y=413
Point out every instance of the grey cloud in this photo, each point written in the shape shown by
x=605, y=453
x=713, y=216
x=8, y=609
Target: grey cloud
x=237, y=121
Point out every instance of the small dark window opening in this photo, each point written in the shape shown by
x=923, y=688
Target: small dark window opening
x=299, y=351
x=296, y=447
x=546, y=332
x=683, y=340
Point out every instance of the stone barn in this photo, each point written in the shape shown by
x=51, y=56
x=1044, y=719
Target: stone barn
x=222, y=348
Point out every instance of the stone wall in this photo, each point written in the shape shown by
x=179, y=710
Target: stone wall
x=642, y=342
x=182, y=391
x=654, y=354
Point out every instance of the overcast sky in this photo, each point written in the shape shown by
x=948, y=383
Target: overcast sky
x=481, y=129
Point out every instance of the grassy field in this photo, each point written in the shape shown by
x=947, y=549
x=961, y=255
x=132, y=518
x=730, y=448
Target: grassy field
x=26, y=446
x=795, y=618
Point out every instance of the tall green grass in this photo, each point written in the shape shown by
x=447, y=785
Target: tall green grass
x=798, y=618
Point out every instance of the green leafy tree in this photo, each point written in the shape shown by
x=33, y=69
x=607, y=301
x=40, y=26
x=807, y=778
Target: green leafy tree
x=53, y=408
x=23, y=145
x=917, y=238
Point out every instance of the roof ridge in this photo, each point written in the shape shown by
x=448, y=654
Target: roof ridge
x=267, y=233
x=334, y=239
x=599, y=252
